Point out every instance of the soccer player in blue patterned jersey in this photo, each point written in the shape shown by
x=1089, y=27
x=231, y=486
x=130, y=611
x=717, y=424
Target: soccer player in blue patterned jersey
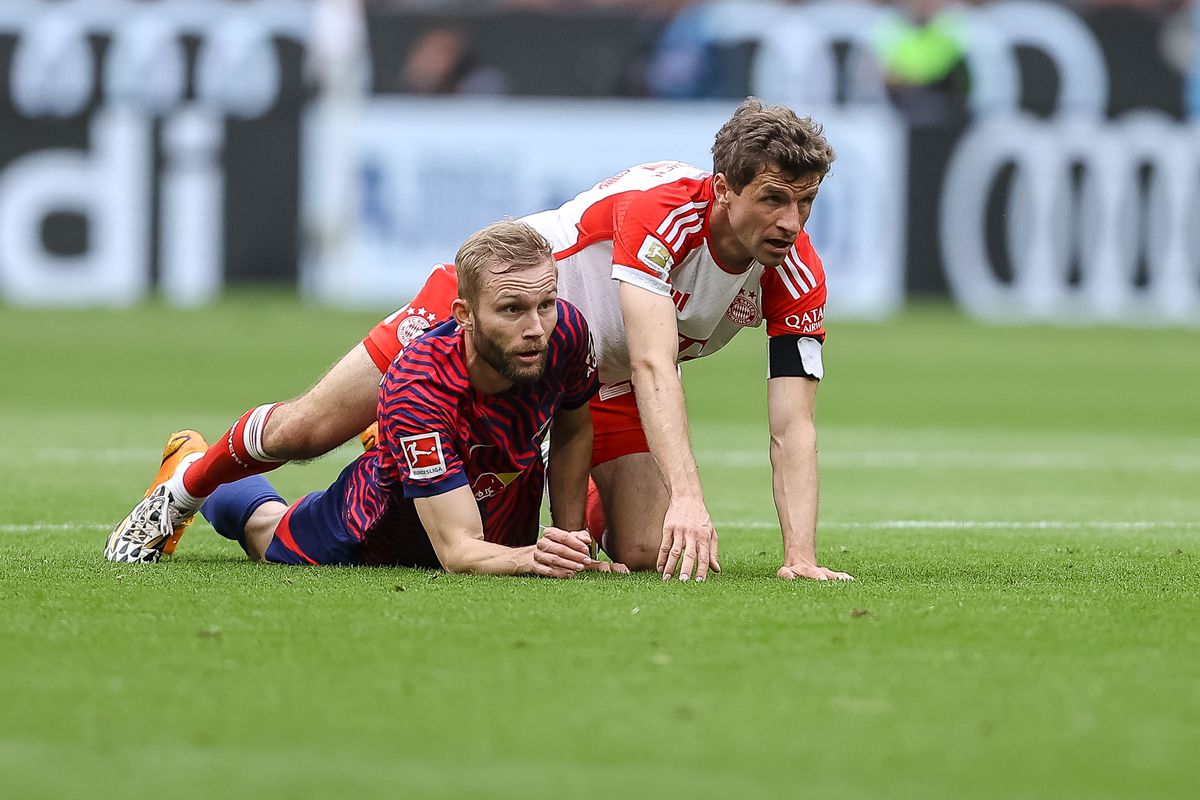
x=456, y=478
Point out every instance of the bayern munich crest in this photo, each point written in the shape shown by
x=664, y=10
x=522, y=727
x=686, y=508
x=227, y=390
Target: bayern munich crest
x=744, y=309
x=410, y=328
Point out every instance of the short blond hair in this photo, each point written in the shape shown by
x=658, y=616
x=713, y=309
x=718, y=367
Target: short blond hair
x=501, y=247
x=760, y=137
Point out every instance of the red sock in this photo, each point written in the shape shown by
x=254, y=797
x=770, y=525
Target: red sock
x=596, y=523
x=238, y=454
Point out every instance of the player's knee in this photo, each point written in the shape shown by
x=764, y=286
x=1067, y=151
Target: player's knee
x=641, y=560
x=636, y=552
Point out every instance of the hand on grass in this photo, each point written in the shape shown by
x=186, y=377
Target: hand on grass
x=560, y=554
x=790, y=572
x=689, y=541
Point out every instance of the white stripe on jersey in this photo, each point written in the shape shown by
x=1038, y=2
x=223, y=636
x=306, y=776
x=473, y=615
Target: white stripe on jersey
x=680, y=216
x=799, y=262
x=686, y=219
x=783, y=275
x=694, y=225
x=790, y=263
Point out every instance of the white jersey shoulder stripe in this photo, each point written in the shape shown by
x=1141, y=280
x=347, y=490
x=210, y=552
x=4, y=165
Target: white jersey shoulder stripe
x=799, y=262
x=688, y=207
x=696, y=224
x=791, y=287
x=686, y=219
x=805, y=286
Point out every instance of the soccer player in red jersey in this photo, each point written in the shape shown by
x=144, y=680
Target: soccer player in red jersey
x=456, y=477
x=667, y=262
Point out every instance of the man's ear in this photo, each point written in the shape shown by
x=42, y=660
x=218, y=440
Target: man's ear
x=721, y=189
x=462, y=314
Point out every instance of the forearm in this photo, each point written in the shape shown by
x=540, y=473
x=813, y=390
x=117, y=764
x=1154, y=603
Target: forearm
x=795, y=485
x=570, y=462
x=664, y=419
x=455, y=530
x=477, y=557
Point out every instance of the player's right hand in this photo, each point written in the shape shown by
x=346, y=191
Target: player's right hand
x=689, y=541
x=561, y=554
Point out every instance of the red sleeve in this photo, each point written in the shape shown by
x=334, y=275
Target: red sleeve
x=581, y=378
x=649, y=234
x=417, y=426
x=794, y=293
x=431, y=305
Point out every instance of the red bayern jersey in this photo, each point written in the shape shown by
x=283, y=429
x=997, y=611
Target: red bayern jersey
x=647, y=226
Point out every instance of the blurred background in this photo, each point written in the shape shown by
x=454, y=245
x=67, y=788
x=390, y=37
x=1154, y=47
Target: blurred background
x=1027, y=159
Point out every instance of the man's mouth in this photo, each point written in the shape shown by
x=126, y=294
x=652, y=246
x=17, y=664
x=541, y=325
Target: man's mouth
x=781, y=244
x=530, y=356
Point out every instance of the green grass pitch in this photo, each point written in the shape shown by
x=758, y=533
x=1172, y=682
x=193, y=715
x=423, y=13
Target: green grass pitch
x=1020, y=505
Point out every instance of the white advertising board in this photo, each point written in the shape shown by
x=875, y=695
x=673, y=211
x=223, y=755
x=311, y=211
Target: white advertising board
x=396, y=191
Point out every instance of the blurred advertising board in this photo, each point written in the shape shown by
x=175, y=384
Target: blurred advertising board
x=172, y=148
x=424, y=174
x=147, y=147
x=1075, y=220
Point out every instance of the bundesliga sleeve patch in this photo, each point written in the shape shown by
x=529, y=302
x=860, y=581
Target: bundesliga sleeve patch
x=655, y=255
x=423, y=453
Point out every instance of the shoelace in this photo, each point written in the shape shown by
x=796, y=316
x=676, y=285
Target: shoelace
x=146, y=526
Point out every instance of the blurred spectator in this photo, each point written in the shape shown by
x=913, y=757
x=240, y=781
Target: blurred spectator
x=921, y=54
x=440, y=62
x=686, y=63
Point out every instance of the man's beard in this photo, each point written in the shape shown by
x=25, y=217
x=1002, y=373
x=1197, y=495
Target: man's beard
x=507, y=365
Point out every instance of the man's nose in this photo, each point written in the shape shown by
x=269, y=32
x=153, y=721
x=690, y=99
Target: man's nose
x=791, y=220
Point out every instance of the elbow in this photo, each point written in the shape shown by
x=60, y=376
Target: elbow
x=649, y=367
x=453, y=560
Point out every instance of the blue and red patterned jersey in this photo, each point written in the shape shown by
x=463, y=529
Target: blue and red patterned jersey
x=437, y=433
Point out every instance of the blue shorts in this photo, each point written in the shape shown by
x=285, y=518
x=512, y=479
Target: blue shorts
x=313, y=530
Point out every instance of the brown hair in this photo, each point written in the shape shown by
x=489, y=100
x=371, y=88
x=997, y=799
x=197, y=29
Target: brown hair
x=500, y=247
x=759, y=137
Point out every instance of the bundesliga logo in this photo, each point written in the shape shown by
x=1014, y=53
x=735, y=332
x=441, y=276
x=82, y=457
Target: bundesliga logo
x=423, y=453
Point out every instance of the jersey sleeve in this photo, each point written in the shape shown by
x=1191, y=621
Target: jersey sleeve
x=794, y=307
x=648, y=233
x=431, y=305
x=794, y=294
x=416, y=419
x=581, y=379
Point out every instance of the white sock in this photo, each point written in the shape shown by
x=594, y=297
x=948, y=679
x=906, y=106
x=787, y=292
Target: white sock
x=183, y=503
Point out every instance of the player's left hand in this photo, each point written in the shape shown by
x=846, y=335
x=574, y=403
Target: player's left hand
x=812, y=572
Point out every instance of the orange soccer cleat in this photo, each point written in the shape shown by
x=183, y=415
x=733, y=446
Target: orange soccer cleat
x=180, y=445
x=151, y=530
